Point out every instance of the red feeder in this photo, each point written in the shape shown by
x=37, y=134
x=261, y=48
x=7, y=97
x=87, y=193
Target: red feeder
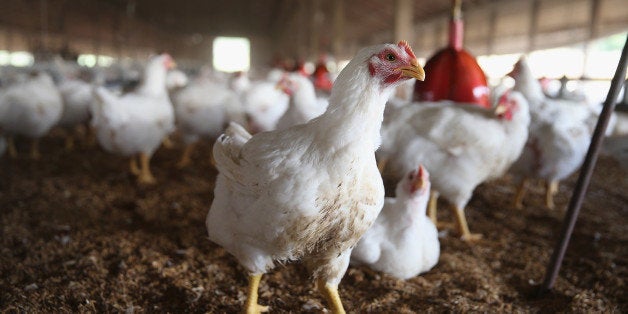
x=453, y=73
x=321, y=75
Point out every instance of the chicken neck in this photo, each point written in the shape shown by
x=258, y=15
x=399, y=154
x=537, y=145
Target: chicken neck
x=356, y=109
x=154, y=83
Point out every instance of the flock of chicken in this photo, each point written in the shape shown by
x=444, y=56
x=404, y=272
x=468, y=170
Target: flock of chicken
x=306, y=186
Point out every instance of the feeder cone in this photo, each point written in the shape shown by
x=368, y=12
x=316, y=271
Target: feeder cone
x=454, y=74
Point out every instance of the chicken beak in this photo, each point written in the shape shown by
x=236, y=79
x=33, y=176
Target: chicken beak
x=171, y=64
x=414, y=70
x=283, y=86
x=500, y=109
x=421, y=179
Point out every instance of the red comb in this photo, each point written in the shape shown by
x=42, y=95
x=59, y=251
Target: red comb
x=404, y=44
x=421, y=171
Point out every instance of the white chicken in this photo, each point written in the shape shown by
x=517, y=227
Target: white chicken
x=175, y=80
x=240, y=82
x=462, y=146
x=203, y=109
x=560, y=133
x=304, y=105
x=264, y=104
x=403, y=241
x=136, y=123
x=29, y=109
x=77, y=101
x=309, y=192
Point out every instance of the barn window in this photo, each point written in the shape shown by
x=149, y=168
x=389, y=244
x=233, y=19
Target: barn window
x=231, y=54
x=21, y=59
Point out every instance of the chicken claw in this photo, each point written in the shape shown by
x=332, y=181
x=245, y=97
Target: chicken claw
x=463, y=228
x=551, y=189
x=331, y=295
x=35, y=154
x=11, y=147
x=145, y=176
x=432, y=208
x=185, y=157
x=135, y=170
x=521, y=191
x=471, y=237
x=251, y=306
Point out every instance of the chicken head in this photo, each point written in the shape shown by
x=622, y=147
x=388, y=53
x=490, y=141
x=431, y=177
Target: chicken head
x=394, y=64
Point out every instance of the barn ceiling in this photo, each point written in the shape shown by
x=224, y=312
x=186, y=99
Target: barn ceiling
x=298, y=28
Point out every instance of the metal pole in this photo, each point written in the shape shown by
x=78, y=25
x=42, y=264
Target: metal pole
x=585, y=174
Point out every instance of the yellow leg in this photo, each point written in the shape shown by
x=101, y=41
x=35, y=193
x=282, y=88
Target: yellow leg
x=211, y=158
x=35, y=154
x=521, y=191
x=463, y=228
x=11, y=147
x=331, y=295
x=550, y=191
x=91, y=138
x=135, y=170
x=432, y=207
x=185, y=157
x=251, y=306
x=167, y=142
x=69, y=142
x=381, y=165
x=145, y=176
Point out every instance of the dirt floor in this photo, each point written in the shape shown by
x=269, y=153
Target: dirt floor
x=78, y=235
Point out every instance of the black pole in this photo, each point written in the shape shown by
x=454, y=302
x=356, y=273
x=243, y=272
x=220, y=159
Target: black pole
x=585, y=174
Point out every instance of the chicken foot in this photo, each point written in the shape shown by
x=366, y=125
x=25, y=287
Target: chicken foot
x=463, y=227
x=431, y=207
x=35, y=154
x=330, y=293
x=11, y=147
x=69, y=142
x=167, y=142
x=145, y=176
x=381, y=165
x=135, y=170
x=251, y=306
x=550, y=191
x=521, y=191
x=185, y=157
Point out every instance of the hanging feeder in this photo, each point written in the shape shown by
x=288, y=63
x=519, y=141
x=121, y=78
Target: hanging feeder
x=454, y=73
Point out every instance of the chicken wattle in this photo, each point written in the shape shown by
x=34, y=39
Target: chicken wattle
x=309, y=192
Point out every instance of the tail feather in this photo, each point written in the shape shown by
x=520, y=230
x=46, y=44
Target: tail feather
x=227, y=149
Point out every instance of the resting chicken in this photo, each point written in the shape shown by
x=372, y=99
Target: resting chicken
x=403, y=241
x=309, y=192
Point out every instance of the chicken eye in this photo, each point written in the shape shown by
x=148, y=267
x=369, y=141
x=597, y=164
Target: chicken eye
x=390, y=57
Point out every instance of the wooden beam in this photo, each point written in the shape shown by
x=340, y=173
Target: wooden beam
x=338, y=40
x=534, y=24
x=315, y=16
x=404, y=20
